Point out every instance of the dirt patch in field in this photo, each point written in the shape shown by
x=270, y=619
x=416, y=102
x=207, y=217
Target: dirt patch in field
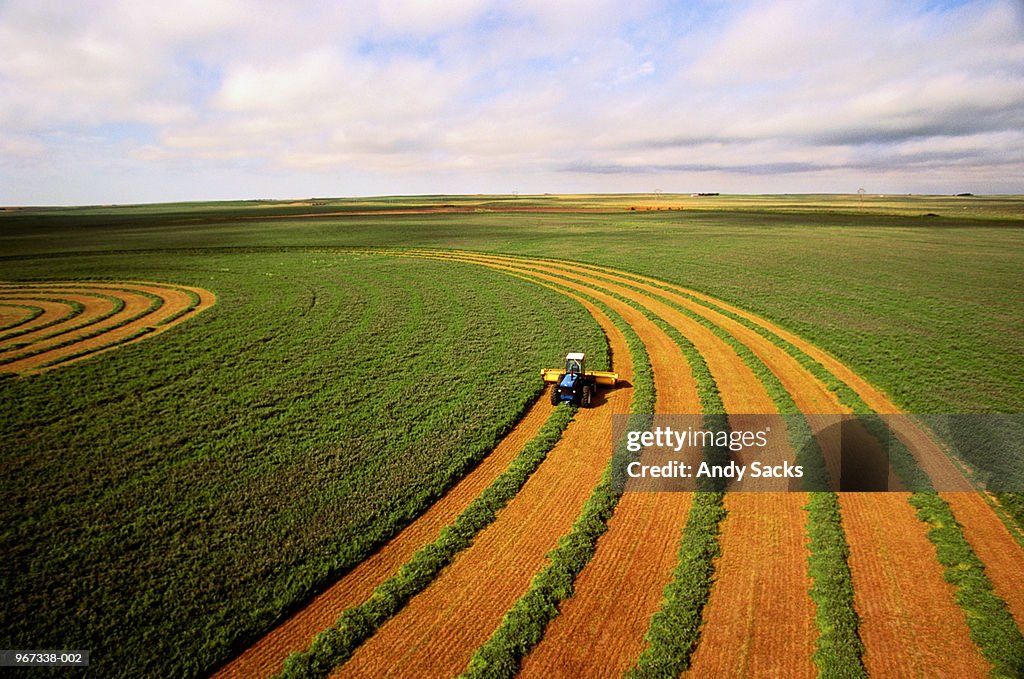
x=148, y=309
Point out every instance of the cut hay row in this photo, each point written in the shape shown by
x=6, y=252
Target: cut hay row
x=96, y=317
x=66, y=313
x=932, y=470
x=1000, y=641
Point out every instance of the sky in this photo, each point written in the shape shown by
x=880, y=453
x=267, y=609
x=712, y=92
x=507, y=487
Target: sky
x=138, y=101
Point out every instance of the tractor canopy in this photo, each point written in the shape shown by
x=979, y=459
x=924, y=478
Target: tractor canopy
x=574, y=364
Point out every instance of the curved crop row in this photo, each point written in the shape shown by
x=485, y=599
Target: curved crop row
x=135, y=310
x=17, y=315
x=524, y=625
x=46, y=317
x=335, y=645
x=993, y=631
x=857, y=404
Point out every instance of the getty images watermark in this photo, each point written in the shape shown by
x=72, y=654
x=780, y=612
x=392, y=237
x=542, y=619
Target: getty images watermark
x=776, y=453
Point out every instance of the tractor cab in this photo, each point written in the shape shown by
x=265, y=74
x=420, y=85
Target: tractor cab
x=574, y=364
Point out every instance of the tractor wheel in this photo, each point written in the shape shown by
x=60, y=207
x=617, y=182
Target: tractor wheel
x=586, y=397
x=554, y=394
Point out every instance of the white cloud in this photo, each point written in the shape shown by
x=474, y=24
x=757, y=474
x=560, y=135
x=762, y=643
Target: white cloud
x=401, y=93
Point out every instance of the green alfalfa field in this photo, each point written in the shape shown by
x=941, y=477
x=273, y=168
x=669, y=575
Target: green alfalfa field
x=164, y=504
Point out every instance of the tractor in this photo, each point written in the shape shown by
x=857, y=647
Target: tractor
x=575, y=384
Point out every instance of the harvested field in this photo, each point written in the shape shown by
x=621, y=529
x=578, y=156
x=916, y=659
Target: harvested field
x=80, y=320
x=235, y=465
x=763, y=552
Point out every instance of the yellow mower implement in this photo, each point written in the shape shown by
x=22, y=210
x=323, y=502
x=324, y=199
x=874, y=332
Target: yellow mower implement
x=607, y=379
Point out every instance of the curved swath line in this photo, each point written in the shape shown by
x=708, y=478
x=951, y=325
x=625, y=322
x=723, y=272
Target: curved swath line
x=84, y=309
x=110, y=336
x=634, y=560
x=198, y=297
x=923, y=545
x=138, y=309
x=21, y=314
x=131, y=306
x=985, y=531
x=949, y=620
x=267, y=655
x=174, y=306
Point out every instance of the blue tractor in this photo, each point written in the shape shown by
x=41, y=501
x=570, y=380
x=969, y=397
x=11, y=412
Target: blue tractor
x=575, y=384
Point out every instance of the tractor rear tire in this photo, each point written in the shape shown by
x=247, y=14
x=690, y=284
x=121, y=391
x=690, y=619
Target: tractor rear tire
x=554, y=394
x=587, y=396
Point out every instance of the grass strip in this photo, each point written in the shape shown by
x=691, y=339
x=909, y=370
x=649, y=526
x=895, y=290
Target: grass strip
x=839, y=649
x=523, y=626
x=992, y=627
x=335, y=645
